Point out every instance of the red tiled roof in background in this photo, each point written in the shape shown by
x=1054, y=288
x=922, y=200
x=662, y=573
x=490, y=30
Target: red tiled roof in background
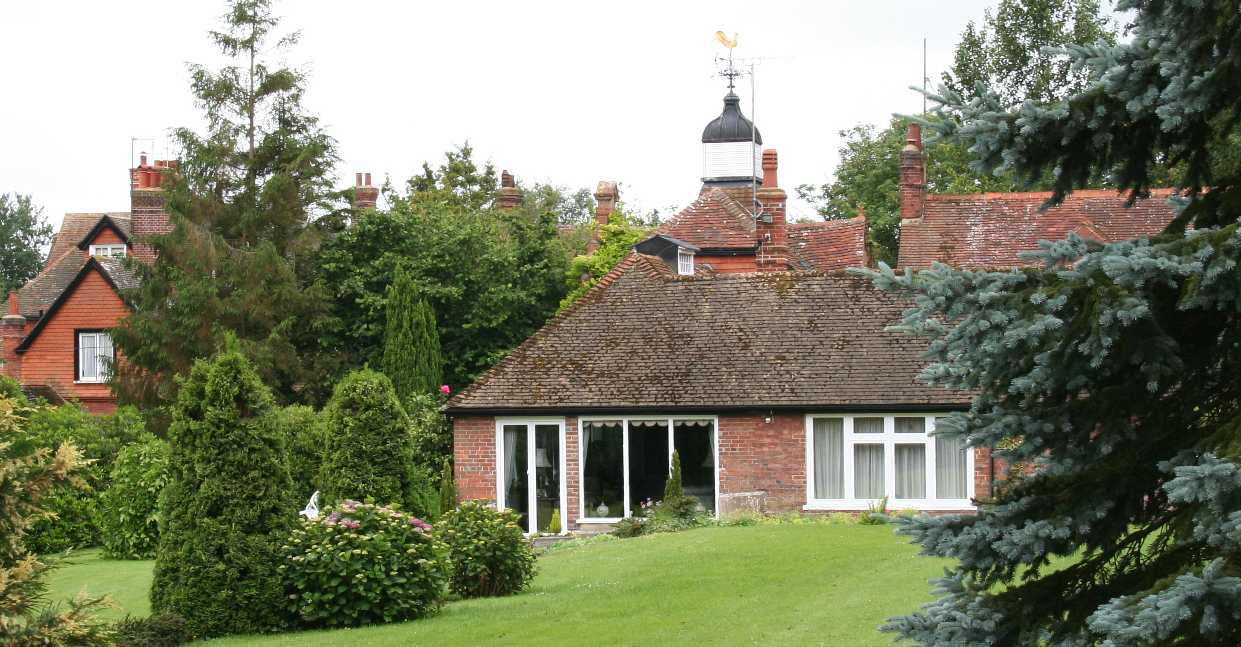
x=828, y=245
x=713, y=221
x=992, y=229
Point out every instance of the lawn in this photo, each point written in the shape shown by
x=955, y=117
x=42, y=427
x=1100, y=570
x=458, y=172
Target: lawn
x=126, y=582
x=787, y=584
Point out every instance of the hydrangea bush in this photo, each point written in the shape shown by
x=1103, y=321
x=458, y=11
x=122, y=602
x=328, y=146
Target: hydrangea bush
x=490, y=555
x=362, y=564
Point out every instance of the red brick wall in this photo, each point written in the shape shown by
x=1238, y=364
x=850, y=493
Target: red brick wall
x=147, y=218
x=93, y=305
x=572, y=473
x=757, y=456
x=725, y=264
x=474, y=457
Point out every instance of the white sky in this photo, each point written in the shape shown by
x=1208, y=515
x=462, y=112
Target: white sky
x=567, y=92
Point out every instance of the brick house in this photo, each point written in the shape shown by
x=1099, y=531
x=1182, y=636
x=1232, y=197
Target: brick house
x=737, y=340
x=55, y=335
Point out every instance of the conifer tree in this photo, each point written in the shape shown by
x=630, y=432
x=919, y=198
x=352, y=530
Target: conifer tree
x=369, y=452
x=1111, y=371
x=227, y=505
x=673, y=489
x=245, y=206
x=411, y=356
x=448, y=489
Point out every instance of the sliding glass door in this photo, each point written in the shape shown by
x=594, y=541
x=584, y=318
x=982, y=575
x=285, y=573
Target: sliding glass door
x=531, y=462
x=625, y=462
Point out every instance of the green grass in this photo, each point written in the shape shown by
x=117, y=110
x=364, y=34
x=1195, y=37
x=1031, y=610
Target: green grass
x=126, y=582
x=814, y=584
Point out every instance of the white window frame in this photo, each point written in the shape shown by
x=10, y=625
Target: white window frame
x=531, y=491
x=624, y=420
x=111, y=250
x=685, y=262
x=889, y=439
x=102, y=370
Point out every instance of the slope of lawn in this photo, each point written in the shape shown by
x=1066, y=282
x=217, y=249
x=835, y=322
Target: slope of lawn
x=127, y=583
x=773, y=584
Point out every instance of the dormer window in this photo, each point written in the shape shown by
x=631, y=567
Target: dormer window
x=685, y=262
x=108, y=251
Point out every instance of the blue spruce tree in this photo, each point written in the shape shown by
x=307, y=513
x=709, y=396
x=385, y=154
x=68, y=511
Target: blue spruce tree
x=1113, y=372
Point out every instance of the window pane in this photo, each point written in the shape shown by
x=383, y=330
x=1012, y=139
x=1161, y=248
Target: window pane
x=829, y=458
x=868, y=425
x=516, y=476
x=950, y=472
x=603, y=469
x=547, y=475
x=648, y=461
x=86, y=356
x=104, y=355
x=867, y=471
x=694, y=441
x=911, y=425
x=911, y=471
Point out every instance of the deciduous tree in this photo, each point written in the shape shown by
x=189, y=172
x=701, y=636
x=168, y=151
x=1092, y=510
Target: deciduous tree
x=23, y=236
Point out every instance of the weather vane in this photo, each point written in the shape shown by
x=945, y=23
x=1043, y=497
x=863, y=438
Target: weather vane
x=730, y=72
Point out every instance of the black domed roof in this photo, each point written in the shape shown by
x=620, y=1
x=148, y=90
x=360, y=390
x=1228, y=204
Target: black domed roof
x=731, y=125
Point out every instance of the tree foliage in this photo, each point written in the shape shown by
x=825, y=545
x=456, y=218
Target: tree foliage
x=24, y=233
x=1111, y=369
x=491, y=276
x=1016, y=51
x=247, y=206
x=228, y=503
x=27, y=474
x=411, y=356
x=616, y=240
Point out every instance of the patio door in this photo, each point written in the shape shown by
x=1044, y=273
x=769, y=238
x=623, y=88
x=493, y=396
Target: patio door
x=530, y=455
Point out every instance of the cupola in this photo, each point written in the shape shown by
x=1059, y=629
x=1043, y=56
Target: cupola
x=731, y=146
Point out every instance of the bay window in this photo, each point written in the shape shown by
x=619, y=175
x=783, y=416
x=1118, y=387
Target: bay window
x=853, y=461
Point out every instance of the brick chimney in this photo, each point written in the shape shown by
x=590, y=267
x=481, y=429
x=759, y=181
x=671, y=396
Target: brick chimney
x=771, y=225
x=365, y=195
x=606, y=196
x=913, y=174
x=509, y=195
x=147, y=213
x=12, y=331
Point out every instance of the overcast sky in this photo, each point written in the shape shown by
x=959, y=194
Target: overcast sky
x=562, y=92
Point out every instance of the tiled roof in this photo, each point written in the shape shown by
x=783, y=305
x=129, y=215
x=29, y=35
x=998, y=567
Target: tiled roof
x=991, y=229
x=643, y=339
x=76, y=225
x=113, y=270
x=122, y=277
x=828, y=245
x=713, y=221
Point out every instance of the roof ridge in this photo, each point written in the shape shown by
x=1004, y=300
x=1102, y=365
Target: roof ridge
x=1017, y=195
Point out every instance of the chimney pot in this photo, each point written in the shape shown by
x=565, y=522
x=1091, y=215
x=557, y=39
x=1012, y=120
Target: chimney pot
x=142, y=159
x=14, y=308
x=357, y=179
x=506, y=179
x=770, y=162
x=913, y=174
x=606, y=196
x=368, y=179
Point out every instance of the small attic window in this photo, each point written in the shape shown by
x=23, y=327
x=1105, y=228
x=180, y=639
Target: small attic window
x=685, y=262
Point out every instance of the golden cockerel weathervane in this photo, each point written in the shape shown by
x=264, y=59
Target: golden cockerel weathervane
x=731, y=72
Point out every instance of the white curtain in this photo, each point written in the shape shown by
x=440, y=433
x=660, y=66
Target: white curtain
x=950, y=472
x=868, y=425
x=911, y=471
x=511, y=435
x=910, y=425
x=829, y=458
x=868, y=471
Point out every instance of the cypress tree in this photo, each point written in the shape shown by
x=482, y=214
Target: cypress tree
x=673, y=489
x=227, y=505
x=1110, y=371
x=411, y=356
x=448, y=489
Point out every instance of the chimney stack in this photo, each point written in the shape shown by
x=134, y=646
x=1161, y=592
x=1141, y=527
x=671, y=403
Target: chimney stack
x=913, y=174
x=148, y=216
x=771, y=226
x=12, y=331
x=510, y=195
x=606, y=196
x=365, y=196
